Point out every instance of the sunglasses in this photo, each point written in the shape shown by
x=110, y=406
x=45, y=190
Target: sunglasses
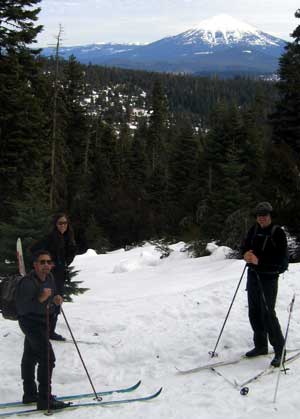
x=61, y=223
x=46, y=261
x=262, y=214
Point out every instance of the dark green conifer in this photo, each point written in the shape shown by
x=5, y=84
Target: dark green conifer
x=183, y=176
x=23, y=135
x=286, y=119
x=285, y=168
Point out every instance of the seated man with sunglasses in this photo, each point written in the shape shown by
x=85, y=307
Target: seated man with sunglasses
x=36, y=299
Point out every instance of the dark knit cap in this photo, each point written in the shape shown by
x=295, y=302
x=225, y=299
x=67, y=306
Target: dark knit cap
x=263, y=208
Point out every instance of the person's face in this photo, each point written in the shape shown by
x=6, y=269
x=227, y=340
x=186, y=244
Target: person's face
x=62, y=224
x=264, y=220
x=43, y=266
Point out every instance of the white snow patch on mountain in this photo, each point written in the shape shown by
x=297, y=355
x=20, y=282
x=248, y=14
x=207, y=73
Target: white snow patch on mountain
x=226, y=23
x=203, y=53
x=224, y=29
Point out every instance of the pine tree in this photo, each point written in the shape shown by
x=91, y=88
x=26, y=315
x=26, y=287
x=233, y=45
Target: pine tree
x=76, y=132
x=103, y=179
x=140, y=228
x=286, y=120
x=157, y=129
x=183, y=176
x=23, y=135
x=17, y=27
x=286, y=136
x=138, y=161
x=226, y=187
x=30, y=224
x=57, y=164
x=123, y=148
x=253, y=151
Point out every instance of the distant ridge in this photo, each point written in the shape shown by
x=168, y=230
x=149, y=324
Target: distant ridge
x=221, y=44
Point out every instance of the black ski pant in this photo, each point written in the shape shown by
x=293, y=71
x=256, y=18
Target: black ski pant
x=37, y=351
x=53, y=320
x=262, y=293
x=59, y=277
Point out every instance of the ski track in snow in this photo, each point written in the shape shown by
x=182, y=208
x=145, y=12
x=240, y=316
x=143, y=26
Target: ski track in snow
x=145, y=316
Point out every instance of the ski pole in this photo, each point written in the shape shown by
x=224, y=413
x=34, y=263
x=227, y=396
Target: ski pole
x=213, y=353
x=284, y=346
x=48, y=413
x=84, y=366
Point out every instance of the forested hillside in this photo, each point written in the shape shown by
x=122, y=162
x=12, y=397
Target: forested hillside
x=133, y=156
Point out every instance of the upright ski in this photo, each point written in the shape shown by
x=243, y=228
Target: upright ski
x=21, y=264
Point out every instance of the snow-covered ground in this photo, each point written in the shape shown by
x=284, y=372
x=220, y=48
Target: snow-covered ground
x=144, y=317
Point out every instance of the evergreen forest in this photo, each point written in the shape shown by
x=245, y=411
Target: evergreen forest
x=134, y=156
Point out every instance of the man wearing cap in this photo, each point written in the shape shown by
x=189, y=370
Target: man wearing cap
x=264, y=250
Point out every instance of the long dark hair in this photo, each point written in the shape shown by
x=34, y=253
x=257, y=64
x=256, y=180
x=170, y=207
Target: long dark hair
x=69, y=232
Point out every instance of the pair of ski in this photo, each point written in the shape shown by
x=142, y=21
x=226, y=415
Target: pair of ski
x=239, y=386
x=80, y=403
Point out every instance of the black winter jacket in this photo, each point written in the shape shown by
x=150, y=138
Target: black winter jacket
x=27, y=296
x=270, y=251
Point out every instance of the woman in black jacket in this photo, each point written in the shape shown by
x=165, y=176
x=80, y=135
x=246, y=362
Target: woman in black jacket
x=60, y=243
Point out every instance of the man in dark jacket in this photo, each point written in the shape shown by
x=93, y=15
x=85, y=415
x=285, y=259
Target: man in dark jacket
x=36, y=294
x=264, y=250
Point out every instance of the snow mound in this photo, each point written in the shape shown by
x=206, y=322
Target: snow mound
x=146, y=258
x=218, y=252
x=89, y=253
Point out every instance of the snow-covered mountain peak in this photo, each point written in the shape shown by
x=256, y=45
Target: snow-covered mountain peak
x=225, y=23
x=224, y=29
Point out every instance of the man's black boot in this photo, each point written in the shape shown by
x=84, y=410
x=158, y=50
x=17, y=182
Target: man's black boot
x=277, y=359
x=54, y=404
x=29, y=398
x=58, y=337
x=29, y=390
x=256, y=352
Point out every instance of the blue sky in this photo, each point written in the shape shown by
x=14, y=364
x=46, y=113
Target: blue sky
x=89, y=21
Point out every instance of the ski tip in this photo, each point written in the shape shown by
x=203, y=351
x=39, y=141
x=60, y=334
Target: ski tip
x=158, y=392
x=192, y=370
x=183, y=372
x=137, y=385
